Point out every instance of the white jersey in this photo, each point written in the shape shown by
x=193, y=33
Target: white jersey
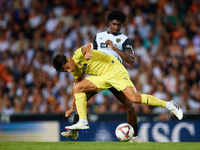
x=120, y=41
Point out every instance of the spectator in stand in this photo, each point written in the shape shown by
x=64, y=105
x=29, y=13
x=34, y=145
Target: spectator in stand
x=8, y=108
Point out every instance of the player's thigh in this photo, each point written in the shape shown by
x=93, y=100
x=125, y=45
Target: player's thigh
x=116, y=93
x=120, y=83
x=89, y=95
x=85, y=86
x=99, y=82
x=122, y=98
x=119, y=78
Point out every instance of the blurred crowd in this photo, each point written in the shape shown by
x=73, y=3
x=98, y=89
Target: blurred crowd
x=165, y=36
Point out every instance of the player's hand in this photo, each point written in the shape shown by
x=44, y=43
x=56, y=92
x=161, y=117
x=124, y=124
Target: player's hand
x=88, y=56
x=69, y=112
x=110, y=43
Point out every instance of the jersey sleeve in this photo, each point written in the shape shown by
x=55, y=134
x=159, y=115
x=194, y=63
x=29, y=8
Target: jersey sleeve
x=77, y=55
x=127, y=45
x=95, y=43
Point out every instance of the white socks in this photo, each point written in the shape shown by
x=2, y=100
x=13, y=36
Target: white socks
x=84, y=121
x=168, y=105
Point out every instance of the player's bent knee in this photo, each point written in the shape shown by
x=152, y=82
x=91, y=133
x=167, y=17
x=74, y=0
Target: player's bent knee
x=78, y=88
x=137, y=99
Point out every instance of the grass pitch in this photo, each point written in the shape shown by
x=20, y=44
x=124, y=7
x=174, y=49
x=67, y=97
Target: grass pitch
x=69, y=145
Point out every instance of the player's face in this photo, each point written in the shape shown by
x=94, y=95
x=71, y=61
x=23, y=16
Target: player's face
x=115, y=26
x=70, y=66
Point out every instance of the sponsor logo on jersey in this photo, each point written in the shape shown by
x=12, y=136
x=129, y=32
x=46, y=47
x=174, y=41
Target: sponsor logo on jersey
x=103, y=45
x=84, y=68
x=118, y=40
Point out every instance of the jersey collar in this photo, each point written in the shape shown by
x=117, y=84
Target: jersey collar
x=113, y=34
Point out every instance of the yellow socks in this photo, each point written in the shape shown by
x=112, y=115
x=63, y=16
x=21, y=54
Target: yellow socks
x=81, y=105
x=150, y=100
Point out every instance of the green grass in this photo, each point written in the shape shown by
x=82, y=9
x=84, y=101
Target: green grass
x=69, y=145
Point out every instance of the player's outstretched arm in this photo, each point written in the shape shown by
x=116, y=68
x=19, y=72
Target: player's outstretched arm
x=87, y=50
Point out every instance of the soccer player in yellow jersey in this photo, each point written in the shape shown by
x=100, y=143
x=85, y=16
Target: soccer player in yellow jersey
x=113, y=42
x=106, y=72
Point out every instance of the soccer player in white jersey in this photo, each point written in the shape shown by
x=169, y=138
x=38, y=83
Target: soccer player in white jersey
x=114, y=43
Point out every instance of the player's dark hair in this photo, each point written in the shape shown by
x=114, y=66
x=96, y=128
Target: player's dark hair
x=116, y=14
x=59, y=60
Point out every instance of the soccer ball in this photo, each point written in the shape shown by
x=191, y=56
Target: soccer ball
x=124, y=132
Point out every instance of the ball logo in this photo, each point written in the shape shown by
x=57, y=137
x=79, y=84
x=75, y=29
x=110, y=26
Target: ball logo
x=122, y=130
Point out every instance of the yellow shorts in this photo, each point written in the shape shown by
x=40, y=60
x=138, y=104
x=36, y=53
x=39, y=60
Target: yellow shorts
x=119, y=81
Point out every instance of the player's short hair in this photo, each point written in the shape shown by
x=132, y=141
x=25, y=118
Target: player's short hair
x=116, y=14
x=59, y=60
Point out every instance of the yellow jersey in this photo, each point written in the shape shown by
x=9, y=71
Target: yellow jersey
x=99, y=64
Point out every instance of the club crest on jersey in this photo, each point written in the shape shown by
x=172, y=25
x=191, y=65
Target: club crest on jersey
x=118, y=40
